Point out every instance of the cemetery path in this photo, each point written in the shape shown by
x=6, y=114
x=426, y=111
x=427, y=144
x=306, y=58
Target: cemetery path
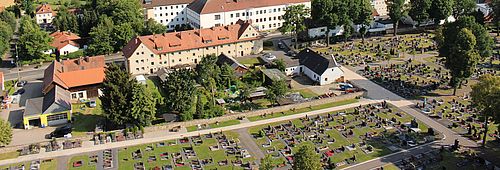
x=62, y=162
x=248, y=142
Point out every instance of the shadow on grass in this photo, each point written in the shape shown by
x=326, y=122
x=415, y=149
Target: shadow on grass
x=84, y=123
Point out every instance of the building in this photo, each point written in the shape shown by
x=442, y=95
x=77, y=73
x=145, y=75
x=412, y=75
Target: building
x=65, y=42
x=264, y=14
x=171, y=13
x=5, y=3
x=54, y=108
x=272, y=75
x=239, y=69
x=380, y=7
x=148, y=54
x=82, y=77
x=44, y=14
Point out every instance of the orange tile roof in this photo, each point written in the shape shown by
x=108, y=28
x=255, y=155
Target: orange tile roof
x=61, y=39
x=43, y=9
x=74, y=73
x=192, y=39
x=214, y=6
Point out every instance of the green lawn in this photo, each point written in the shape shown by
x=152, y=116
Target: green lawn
x=307, y=93
x=286, y=113
x=249, y=61
x=215, y=125
x=86, y=118
x=86, y=165
x=9, y=155
x=48, y=164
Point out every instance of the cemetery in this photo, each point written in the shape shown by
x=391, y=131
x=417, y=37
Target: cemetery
x=344, y=138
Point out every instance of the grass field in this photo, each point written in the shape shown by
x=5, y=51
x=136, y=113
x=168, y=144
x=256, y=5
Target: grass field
x=215, y=125
x=307, y=93
x=86, y=118
x=9, y=155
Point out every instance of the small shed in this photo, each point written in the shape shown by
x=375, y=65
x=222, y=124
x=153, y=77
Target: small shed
x=141, y=79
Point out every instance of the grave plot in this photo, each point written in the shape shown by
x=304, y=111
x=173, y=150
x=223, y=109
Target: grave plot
x=86, y=162
x=356, y=53
x=458, y=115
x=32, y=165
x=210, y=151
x=343, y=138
x=409, y=80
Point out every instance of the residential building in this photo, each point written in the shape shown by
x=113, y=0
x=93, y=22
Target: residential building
x=380, y=7
x=44, y=14
x=82, y=77
x=264, y=14
x=171, y=13
x=65, y=42
x=54, y=108
x=148, y=54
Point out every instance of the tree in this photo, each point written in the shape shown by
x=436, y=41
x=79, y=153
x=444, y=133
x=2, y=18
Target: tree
x=440, y=9
x=65, y=21
x=348, y=30
x=279, y=64
x=9, y=18
x=306, y=158
x=397, y=10
x=463, y=7
x=5, y=133
x=180, y=87
x=324, y=13
x=486, y=99
x=495, y=6
x=32, y=41
x=463, y=58
x=153, y=27
x=419, y=10
x=5, y=36
x=124, y=100
x=29, y=8
x=363, y=16
x=206, y=69
x=89, y=20
x=266, y=163
x=127, y=11
x=199, y=108
x=293, y=20
x=245, y=91
x=121, y=35
x=227, y=76
x=102, y=38
x=277, y=90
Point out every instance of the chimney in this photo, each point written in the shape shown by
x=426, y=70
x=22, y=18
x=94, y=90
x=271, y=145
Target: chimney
x=87, y=58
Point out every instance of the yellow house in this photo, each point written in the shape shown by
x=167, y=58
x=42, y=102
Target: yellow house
x=54, y=108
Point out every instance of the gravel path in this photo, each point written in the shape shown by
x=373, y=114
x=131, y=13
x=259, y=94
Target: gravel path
x=248, y=142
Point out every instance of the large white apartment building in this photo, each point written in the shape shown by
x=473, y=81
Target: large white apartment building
x=264, y=14
x=171, y=13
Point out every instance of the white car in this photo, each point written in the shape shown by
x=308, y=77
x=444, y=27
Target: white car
x=426, y=111
x=92, y=104
x=269, y=56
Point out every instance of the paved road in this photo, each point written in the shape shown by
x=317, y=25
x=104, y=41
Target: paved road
x=88, y=147
x=247, y=141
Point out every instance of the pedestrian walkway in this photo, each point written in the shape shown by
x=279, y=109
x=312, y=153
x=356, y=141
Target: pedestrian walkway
x=248, y=143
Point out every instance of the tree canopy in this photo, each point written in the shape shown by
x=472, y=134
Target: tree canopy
x=419, y=10
x=5, y=36
x=180, y=87
x=153, y=27
x=9, y=18
x=65, y=21
x=266, y=163
x=306, y=158
x=276, y=91
x=5, y=132
x=293, y=20
x=440, y=9
x=397, y=10
x=486, y=99
x=32, y=41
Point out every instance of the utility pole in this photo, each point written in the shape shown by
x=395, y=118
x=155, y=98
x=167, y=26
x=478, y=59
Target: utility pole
x=17, y=66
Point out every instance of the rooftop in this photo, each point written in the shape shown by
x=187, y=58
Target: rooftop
x=61, y=39
x=215, y=6
x=43, y=9
x=56, y=100
x=156, y=3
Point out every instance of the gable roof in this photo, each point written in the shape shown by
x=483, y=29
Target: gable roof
x=61, y=39
x=191, y=39
x=56, y=100
x=156, y=3
x=215, y=6
x=73, y=73
x=316, y=62
x=224, y=59
x=43, y=9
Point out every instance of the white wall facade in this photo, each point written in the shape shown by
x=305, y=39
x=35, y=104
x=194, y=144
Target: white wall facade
x=45, y=18
x=380, y=6
x=263, y=18
x=331, y=75
x=294, y=70
x=68, y=49
x=170, y=15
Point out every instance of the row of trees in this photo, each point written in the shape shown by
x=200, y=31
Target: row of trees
x=32, y=40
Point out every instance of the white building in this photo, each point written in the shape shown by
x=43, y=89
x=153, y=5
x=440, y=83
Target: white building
x=171, y=13
x=44, y=14
x=264, y=14
x=321, y=69
x=380, y=6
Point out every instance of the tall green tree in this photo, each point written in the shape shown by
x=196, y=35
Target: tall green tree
x=9, y=18
x=463, y=7
x=293, y=20
x=199, y=114
x=463, y=58
x=276, y=91
x=419, y=10
x=5, y=133
x=495, y=6
x=227, y=76
x=102, y=41
x=180, y=87
x=306, y=158
x=32, y=41
x=153, y=27
x=397, y=10
x=440, y=10
x=266, y=163
x=124, y=100
x=29, y=7
x=65, y=21
x=5, y=36
x=486, y=99
x=121, y=35
x=324, y=13
x=363, y=16
x=89, y=20
x=279, y=64
x=206, y=69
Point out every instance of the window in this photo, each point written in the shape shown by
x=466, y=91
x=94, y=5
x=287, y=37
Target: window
x=80, y=95
x=152, y=55
x=152, y=63
x=136, y=61
x=137, y=69
x=73, y=96
x=237, y=14
x=231, y=15
x=57, y=117
x=326, y=79
x=217, y=17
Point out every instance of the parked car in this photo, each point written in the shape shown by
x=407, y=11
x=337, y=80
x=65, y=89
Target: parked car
x=281, y=46
x=21, y=83
x=269, y=56
x=20, y=91
x=92, y=104
x=60, y=132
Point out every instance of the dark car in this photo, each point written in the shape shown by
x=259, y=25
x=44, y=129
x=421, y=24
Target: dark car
x=59, y=132
x=21, y=83
x=20, y=91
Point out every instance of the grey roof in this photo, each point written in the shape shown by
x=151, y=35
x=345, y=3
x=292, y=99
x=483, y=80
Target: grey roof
x=222, y=59
x=274, y=74
x=56, y=100
x=316, y=62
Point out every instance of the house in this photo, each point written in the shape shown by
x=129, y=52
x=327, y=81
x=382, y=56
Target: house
x=171, y=13
x=238, y=68
x=380, y=7
x=54, y=108
x=82, y=77
x=264, y=14
x=65, y=42
x=44, y=14
x=272, y=75
x=147, y=54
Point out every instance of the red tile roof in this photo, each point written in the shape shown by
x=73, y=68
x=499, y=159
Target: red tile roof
x=192, y=39
x=74, y=73
x=64, y=38
x=214, y=6
x=43, y=9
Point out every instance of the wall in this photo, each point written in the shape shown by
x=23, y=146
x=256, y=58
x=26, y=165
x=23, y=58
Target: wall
x=39, y=18
x=235, y=116
x=170, y=15
x=331, y=75
x=68, y=49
